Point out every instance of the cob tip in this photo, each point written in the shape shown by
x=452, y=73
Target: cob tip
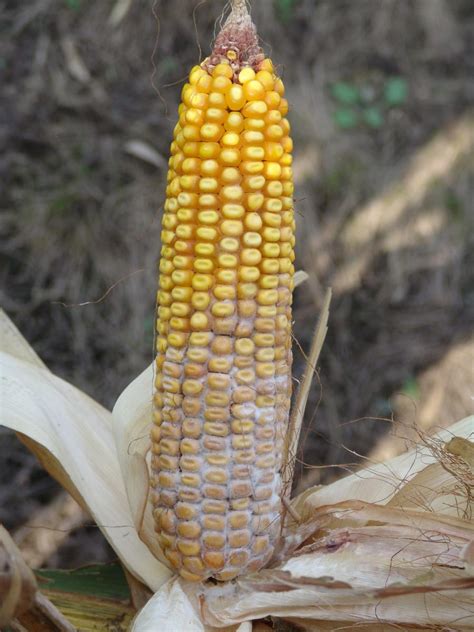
x=237, y=43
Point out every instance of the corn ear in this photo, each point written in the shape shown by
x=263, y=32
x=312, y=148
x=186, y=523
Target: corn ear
x=223, y=364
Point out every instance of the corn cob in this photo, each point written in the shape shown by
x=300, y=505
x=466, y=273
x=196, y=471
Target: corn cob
x=223, y=364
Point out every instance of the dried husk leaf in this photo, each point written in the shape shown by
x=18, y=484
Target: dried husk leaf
x=380, y=482
x=354, y=562
x=17, y=582
x=170, y=609
x=132, y=417
x=72, y=436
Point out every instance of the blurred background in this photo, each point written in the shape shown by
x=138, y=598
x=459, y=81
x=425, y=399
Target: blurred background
x=382, y=112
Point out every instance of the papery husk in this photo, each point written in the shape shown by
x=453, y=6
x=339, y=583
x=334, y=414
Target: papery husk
x=72, y=436
x=171, y=609
x=355, y=563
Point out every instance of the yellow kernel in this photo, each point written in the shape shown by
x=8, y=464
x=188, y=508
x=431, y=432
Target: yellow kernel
x=288, y=188
x=267, y=297
x=251, y=137
x=252, y=240
x=247, y=290
x=271, y=234
x=223, y=70
x=196, y=73
x=287, y=144
x=274, y=133
x=253, y=221
x=232, y=228
x=177, y=339
x=224, y=292
x=182, y=277
x=269, y=281
x=228, y=261
x=251, y=168
x=200, y=300
x=187, y=200
x=189, y=182
x=273, y=100
x=208, y=185
x=246, y=74
x=274, y=189
x=253, y=183
x=208, y=218
x=235, y=97
x=194, y=117
x=207, y=233
x=271, y=250
x=233, y=211
x=181, y=262
x=273, y=151
x=204, y=250
x=204, y=83
x=230, y=244
x=179, y=309
x=192, y=387
x=244, y=346
x=221, y=84
x=234, y=122
x=199, y=101
x=216, y=115
x=270, y=266
x=191, y=149
x=232, y=194
x=211, y=132
x=230, y=139
x=199, y=320
x=202, y=282
x=284, y=107
x=209, y=150
x=191, y=132
x=210, y=168
x=226, y=276
x=273, y=205
x=208, y=200
x=230, y=157
x=266, y=79
x=279, y=87
x=253, y=153
x=203, y=265
x=223, y=309
x=255, y=124
x=255, y=109
x=254, y=90
x=255, y=202
x=216, y=100
x=249, y=274
x=251, y=256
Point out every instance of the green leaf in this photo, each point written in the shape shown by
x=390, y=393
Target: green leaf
x=373, y=117
x=102, y=580
x=91, y=598
x=285, y=9
x=396, y=91
x=411, y=389
x=74, y=4
x=344, y=92
x=346, y=118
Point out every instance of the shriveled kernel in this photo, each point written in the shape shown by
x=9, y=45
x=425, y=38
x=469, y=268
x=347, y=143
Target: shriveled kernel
x=188, y=547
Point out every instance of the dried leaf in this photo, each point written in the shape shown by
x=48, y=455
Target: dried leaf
x=72, y=436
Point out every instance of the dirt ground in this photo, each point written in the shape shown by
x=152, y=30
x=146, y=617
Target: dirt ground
x=382, y=112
